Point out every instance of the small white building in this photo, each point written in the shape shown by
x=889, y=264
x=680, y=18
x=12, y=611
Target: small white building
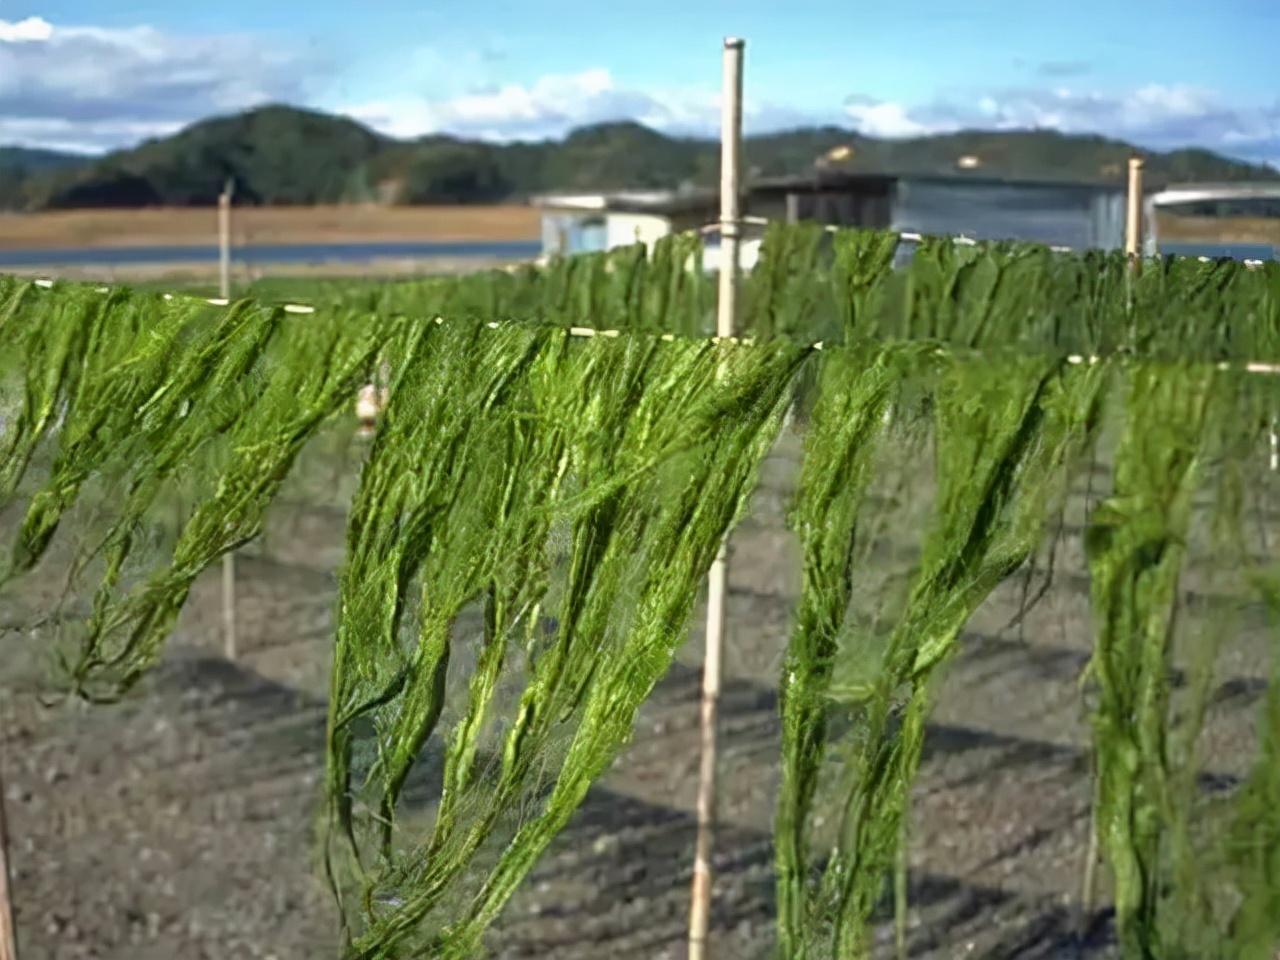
x=592, y=223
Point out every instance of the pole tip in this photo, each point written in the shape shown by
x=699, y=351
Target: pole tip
x=732, y=43
x=1135, y=162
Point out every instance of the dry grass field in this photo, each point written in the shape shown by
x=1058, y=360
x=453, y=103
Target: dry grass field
x=374, y=224
x=265, y=225
x=243, y=276
x=1219, y=229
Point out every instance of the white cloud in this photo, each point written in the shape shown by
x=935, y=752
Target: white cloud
x=1161, y=117
x=1156, y=116
x=90, y=88
x=889, y=121
x=29, y=30
x=553, y=105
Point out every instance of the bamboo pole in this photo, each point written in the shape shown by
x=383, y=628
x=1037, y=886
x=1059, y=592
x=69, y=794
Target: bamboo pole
x=718, y=578
x=1089, y=880
x=8, y=937
x=224, y=291
x=224, y=240
x=1133, y=213
x=8, y=932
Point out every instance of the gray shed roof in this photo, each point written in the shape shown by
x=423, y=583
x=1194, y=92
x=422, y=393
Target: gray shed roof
x=704, y=200
x=1199, y=192
x=828, y=179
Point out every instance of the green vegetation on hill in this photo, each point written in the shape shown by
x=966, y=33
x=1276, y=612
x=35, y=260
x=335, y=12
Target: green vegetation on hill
x=35, y=160
x=284, y=155
x=19, y=165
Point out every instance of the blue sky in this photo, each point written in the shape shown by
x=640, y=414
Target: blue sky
x=95, y=74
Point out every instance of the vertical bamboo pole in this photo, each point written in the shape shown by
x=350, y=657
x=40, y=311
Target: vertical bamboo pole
x=1088, y=883
x=224, y=240
x=8, y=938
x=718, y=578
x=229, y=604
x=224, y=291
x=1133, y=214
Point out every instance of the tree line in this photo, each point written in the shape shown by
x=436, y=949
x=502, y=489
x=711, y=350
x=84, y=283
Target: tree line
x=279, y=155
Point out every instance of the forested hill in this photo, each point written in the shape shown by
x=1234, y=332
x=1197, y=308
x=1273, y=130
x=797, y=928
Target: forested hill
x=20, y=166
x=284, y=155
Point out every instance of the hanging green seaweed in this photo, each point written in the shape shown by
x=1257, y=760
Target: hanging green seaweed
x=574, y=491
x=1135, y=543
x=862, y=274
x=46, y=337
x=150, y=387
x=1184, y=888
x=1252, y=844
x=166, y=386
x=613, y=430
x=781, y=297
x=697, y=510
x=978, y=295
x=855, y=390
x=1193, y=869
x=1006, y=447
x=311, y=382
x=657, y=290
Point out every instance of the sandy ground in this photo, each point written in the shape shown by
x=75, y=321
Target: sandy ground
x=1219, y=230
x=178, y=825
x=78, y=229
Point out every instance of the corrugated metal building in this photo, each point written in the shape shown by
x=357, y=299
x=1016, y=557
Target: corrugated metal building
x=1064, y=214
x=1074, y=215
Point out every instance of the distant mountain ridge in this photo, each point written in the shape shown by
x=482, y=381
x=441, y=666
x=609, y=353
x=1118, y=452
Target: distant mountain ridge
x=286, y=155
x=21, y=165
x=34, y=158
